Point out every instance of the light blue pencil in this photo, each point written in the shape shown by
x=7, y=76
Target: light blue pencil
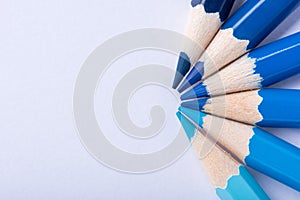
x=255, y=147
x=231, y=180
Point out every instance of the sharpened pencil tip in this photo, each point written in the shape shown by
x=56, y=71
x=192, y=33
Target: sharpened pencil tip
x=193, y=77
x=183, y=66
x=188, y=95
x=194, y=115
x=183, y=86
x=197, y=104
x=178, y=114
x=196, y=92
x=188, y=127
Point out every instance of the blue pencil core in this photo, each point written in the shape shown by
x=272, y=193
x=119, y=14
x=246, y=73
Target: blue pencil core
x=183, y=67
x=193, y=77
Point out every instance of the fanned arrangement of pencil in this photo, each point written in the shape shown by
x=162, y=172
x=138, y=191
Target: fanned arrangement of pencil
x=225, y=99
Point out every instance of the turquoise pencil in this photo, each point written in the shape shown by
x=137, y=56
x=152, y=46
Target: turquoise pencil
x=239, y=34
x=231, y=180
x=261, y=67
x=205, y=19
x=266, y=107
x=255, y=147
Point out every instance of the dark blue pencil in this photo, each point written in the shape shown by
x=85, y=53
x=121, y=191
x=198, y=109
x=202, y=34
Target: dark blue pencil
x=241, y=33
x=253, y=146
x=261, y=67
x=206, y=17
x=266, y=107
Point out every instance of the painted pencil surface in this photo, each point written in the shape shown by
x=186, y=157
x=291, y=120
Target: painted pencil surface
x=266, y=107
x=241, y=33
x=230, y=179
x=255, y=147
x=205, y=19
x=261, y=67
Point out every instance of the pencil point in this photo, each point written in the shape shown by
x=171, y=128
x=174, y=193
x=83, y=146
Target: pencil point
x=193, y=77
x=188, y=95
x=183, y=66
x=195, y=116
x=196, y=92
x=197, y=104
x=188, y=127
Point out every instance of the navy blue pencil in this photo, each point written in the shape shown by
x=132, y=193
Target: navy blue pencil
x=261, y=67
x=206, y=17
x=241, y=33
x=265, y=107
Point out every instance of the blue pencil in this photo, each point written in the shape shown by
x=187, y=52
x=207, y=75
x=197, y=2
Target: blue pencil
x=265, y=107
x=255, y=147
x=241, y=33
x=206, y=17
x=261, y=67
x=230, y=179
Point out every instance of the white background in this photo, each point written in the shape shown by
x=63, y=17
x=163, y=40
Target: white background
x=43, y=45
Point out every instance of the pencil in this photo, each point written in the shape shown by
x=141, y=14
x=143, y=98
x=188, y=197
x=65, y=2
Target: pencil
x=239, y=34
x=230, y=179
x=261, y=67
x=205, y=19
x=266, y=107
x=254, y=147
